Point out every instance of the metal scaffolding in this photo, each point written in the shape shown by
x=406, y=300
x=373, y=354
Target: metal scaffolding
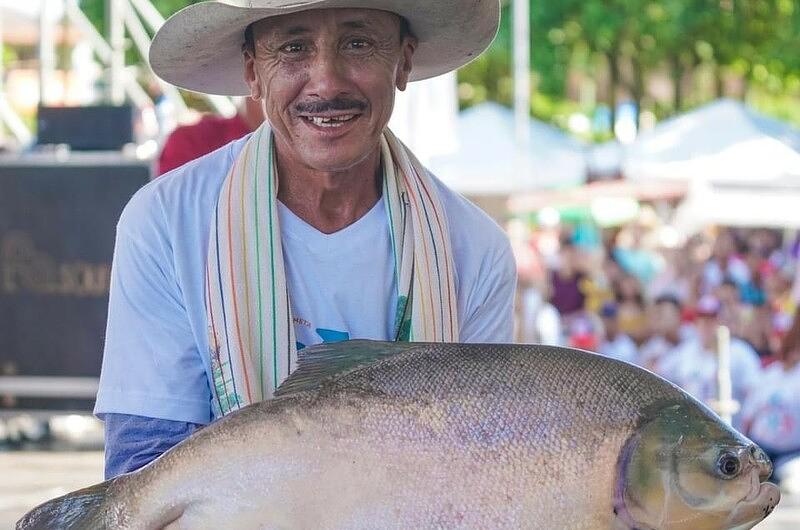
x=127, y=20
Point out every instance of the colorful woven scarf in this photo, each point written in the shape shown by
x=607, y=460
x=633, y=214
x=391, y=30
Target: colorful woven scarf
x=251, y=333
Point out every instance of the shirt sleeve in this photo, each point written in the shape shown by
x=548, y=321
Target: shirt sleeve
x=151, y=363
x=492, y=319
x=132, y=442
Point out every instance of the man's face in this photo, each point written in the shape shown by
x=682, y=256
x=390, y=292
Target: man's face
x=327, y=79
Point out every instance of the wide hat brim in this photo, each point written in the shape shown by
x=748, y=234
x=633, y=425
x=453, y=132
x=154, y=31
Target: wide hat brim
x=200, y=47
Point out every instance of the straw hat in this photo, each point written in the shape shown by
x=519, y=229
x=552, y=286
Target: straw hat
x=200, y=47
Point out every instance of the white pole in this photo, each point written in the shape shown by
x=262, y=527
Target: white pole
x=103, y=51
x=726, y=406
x=154, y=21
x=152, y=17
x=142, y=41
x=116, y=38
x=522, y=89
x=522, y=76
x=47, y=51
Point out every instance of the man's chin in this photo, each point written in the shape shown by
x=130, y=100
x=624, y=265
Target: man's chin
x=338, y=156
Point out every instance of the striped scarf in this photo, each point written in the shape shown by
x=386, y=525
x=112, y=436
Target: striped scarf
x=251, y=333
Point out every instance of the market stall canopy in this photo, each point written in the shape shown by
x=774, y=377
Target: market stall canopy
x=489, y=163
x=605, y=160
x=722, y=141
x=746, y=204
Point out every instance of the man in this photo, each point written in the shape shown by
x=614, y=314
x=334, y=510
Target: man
x=320, y=226
x=188, y=142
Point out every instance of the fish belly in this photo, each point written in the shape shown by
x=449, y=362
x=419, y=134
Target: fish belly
x=327, y=479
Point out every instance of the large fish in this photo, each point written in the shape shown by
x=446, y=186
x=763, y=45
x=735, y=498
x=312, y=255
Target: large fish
x=393, y=435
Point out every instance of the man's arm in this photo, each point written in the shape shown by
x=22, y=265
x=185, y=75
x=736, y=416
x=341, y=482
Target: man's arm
x=134, y=441
x=152, y=367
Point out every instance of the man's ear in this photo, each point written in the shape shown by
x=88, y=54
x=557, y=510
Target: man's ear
x=250, y=73
x=407, y=48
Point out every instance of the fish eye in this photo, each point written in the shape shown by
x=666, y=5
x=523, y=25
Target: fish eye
x=729, y=465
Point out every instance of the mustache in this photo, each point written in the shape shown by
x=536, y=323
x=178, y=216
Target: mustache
x=314, y=107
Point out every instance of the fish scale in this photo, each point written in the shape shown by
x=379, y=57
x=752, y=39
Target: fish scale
x=399, y=435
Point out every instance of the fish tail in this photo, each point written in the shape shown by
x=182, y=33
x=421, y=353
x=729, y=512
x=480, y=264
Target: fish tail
x=82, y=509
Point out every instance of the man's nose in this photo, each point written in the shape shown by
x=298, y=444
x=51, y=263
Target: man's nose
x=327, y=75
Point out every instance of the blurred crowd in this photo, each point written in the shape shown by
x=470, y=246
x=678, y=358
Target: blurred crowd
x=642, y=295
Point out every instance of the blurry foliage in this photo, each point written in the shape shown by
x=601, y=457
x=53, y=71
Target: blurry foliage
x=95, y=9
x=9, y=55
x=701, y=48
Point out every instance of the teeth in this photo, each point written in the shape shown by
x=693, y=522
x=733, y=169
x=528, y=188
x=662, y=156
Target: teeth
x=334, y=121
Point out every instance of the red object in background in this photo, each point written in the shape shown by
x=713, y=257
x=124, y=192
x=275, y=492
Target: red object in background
x=584, y=341
x=193, y=141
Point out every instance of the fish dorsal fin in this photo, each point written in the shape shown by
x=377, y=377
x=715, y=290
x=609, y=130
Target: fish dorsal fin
x=325, y=362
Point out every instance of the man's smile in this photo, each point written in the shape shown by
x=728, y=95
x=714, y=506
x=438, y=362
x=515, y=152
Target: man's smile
x=331, y=124
x=335, y=119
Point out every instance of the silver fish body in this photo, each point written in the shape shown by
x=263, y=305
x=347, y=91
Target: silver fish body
x=390, y=435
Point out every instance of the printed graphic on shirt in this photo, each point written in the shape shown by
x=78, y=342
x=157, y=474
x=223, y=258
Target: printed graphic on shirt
x=328, y=336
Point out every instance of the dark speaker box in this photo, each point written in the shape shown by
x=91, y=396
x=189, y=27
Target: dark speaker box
x=94, y=128
x=57, y=230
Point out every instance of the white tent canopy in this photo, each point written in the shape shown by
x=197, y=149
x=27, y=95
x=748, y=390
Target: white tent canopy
x=722, y=141
x=742, y=168
x=489, y=163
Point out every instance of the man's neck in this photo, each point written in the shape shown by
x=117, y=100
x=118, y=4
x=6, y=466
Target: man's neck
x=329, y=201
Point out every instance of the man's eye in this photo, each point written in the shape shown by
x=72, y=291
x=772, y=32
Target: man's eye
x=292, y=47
x=358, y=44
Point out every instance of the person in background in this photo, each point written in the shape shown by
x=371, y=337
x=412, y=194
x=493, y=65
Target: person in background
x=190, y=142
x=632, y=317
x=583, y=331
x=540, y=321
x=565, y=281
x=666, y=331
x=751, y=289
x=771, y=414
x=726, y=260
x=731, y=315
x=615, y=344
x=693, y=365
x=632, y=255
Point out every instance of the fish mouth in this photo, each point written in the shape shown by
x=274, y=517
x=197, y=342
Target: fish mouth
x=751, y=510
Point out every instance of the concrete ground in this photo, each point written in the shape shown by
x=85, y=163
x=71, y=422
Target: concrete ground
x=28, y=478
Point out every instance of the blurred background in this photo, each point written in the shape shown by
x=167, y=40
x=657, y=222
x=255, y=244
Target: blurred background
x=643, y=156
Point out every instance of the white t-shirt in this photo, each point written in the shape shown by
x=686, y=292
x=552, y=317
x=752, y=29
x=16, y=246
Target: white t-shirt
x=771, y=413
x=694, y=369
x=341, y=285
